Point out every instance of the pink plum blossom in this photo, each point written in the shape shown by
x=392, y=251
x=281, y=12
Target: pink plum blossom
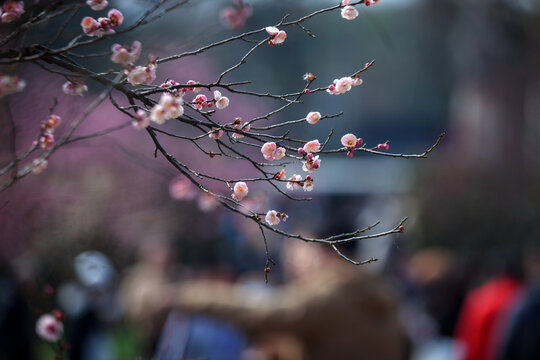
x=124, y=54
x=235, y=17
x=46, y=140
x=312, y=164
x=356, y=81
x=370, y=2
x=192, y=89
x=171, y=83
x=49, y=328
x=137, y=75
x=246, y=127
x=169, y=107
x=10, y=85
x=216, y=133
x=182, y=189
x=276, y=36
x=240, y=191
x=272, y=217
x=221, y=101
x=308, y=183
x=313, y=117
x=270, y=151
x=74, y=88
x=293, y=182
x=97, y=5
x=312, y=146
x=348, y=140
x=384, y=146
x=200, y=102
x=340, y=86
x=349, y=13
x=116, y=17
x=51, y=123
x=141, y=120
x=12, y=10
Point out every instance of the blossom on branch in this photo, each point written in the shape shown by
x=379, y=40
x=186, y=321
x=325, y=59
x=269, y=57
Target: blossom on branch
x=137, y=75
x=103, y=25
x=52, y=122
x=240, y=191
x=49, y=328
x=10, y=85
x=313, y=117
x=74, y=88
x=141, y=120
x=97, y=5
x=312, y=146
x=294, y=182
x=123, y=54
x=169, y=107
x=221, y=101
x=11, y=11
x=270, y=151
x=349, y=13
x=276, y=36
x=312, y=163
x=245, y=128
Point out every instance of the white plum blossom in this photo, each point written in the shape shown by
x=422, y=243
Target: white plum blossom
x=10, y=85
x=221, y=101
x=141, y=120
x=272, y=217
x=169, y=107
x=124, y=54
x=340, y=86
x=313, y=117
x=74, y=88
x=97, y=5
x=357, y=81
x=137, y=75
x=49, y=328
x=312, y=146
x=293, y=184
x=312, y=164
x=308, y=183
x=272, y=30
x=240, y=191
x=349, y=13
x=348, y=140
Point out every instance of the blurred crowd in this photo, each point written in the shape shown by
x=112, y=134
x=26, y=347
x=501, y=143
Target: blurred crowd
x=418, y=304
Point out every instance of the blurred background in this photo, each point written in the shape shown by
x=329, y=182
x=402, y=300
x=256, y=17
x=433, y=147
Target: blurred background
x=462, y=274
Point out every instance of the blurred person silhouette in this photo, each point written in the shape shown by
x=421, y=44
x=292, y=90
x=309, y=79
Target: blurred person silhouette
x=486, y=309
x=521, y=338
x=329, y=309
x=173, y=335
x=91, y=306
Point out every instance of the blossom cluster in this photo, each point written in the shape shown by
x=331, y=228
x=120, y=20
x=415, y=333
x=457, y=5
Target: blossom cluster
x=240, y=191
x=123, y=54
x=296, y=182
x=348, y=12
x=138, y=74
x=74, y=88
x=271, y=151
x=103, y=25
x=46, y=140
x=341, y=86
x=311, y=163
x=276, y=36
x=10, y=85
x=169, y=107
x=11, y=11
